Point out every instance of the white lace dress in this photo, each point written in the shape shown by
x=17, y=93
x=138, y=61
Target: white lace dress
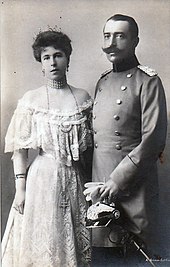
x=52, y=231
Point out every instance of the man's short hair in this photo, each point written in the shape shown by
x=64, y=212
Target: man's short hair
x=132, y=23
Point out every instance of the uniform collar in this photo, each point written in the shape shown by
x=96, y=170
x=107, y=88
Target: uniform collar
x=126, y=64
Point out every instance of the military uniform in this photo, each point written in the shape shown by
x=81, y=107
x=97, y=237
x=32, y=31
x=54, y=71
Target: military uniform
x=129, y=121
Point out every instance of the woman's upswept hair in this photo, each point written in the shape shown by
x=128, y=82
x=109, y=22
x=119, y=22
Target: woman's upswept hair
x=56, y=39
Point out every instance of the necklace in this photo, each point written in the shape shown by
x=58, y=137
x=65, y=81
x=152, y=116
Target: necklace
x=75, y=99
x=63, y=198
x=60, y=84
x=57, y=85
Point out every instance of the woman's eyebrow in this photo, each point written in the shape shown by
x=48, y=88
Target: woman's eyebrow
x=46, y=55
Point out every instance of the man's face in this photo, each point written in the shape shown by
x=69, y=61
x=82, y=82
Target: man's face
x=118, y=41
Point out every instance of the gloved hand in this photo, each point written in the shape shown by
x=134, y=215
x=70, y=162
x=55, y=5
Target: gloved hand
x=92, y=191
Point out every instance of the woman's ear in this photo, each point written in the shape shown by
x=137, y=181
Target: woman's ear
x=43, y=71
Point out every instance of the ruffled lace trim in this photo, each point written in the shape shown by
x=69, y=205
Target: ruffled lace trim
x=63, y=135
x=56, y=112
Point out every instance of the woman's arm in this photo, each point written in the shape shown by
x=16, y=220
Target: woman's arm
x=20, y=159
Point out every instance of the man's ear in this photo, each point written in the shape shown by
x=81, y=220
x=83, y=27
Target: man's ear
x=135, y=41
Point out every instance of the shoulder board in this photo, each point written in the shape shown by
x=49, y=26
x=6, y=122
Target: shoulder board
x=105, y=73
x=147, y=70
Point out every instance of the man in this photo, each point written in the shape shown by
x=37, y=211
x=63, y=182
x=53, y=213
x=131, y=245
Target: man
x=129, y=121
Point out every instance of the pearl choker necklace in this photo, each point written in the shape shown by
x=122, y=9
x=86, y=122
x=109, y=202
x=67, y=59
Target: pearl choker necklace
x=57, y=84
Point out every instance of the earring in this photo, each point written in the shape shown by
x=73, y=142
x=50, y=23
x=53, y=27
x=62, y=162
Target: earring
x=43, y=71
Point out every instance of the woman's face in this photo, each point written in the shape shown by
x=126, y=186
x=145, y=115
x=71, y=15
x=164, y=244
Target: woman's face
x=54, y=63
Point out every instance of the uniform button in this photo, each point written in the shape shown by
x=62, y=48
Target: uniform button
x=94, y=116
x=95, y=102
x=100, y=89
x=118, y=101
x=129, y=75
x=117, y=133
x=96, y=145
x=123, y=88
x=95, y=131
x=116, y=117
x=118, y=147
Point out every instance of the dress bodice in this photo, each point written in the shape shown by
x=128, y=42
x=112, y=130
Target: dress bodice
x=64, y=135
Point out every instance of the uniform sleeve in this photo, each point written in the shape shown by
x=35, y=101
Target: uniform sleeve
x=153, y=135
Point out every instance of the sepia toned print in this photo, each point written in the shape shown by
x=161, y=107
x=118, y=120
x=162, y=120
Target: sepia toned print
x=83, y=21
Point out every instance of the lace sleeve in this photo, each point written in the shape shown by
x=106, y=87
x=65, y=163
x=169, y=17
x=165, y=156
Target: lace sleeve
x=21, y=131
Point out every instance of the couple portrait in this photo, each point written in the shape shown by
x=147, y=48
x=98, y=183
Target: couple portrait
x=85, y=136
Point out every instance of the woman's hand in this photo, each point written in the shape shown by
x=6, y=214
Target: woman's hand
x=108, y=190
x=19, y=201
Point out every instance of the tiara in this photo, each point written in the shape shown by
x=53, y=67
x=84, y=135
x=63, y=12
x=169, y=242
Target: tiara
x=49, y=28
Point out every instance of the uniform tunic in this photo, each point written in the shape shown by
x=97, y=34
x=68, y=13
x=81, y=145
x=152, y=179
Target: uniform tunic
x=129, y=121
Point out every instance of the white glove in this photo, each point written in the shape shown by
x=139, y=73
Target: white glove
x=92, y=191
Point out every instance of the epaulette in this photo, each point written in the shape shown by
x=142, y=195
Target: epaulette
x=105, y=73
x=147, y=70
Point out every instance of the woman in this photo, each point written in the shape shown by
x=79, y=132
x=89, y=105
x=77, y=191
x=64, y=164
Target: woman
x=46, y=225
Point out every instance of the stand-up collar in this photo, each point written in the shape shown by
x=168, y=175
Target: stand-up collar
x=125, y=64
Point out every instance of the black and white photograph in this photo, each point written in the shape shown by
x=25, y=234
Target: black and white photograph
x=85, y=133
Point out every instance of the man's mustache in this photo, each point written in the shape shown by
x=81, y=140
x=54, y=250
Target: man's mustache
x=109, y=49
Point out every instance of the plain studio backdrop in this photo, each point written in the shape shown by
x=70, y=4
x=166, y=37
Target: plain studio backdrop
x=83, y=21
